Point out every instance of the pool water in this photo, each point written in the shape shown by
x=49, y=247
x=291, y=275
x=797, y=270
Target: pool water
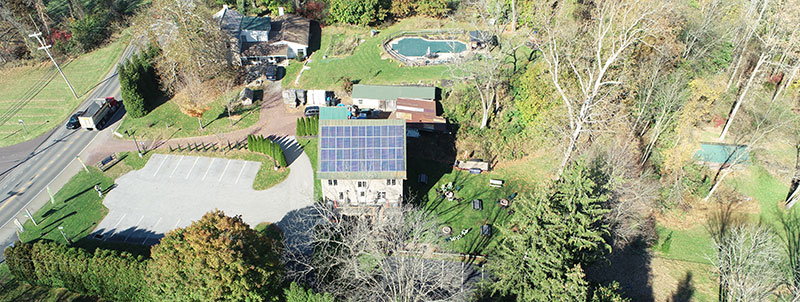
x=417, y=47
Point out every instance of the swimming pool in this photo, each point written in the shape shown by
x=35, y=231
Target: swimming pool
x=417, y=47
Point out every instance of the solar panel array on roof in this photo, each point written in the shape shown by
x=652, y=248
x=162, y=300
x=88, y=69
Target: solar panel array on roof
x=368, y=149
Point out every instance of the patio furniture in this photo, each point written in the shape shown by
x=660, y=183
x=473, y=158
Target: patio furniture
x=477, y=204
x=486, y=230
x=496, y=183
x=449, y=195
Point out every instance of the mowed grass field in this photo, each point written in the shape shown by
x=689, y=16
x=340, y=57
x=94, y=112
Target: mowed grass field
x=365, y=65
x=54, y=103
x=686, y=249
x=167, y=120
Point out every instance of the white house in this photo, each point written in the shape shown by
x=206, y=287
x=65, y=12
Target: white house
x=260, y=39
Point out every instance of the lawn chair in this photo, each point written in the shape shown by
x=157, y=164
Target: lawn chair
x=512, y=196
x=477, y=204
x=496, y=183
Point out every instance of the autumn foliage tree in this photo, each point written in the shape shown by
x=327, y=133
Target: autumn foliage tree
x=217, y=258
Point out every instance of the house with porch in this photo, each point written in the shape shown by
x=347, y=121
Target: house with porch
x=362, y=163
x=264, y=39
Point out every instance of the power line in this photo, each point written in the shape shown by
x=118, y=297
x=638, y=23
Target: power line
x=46, y=48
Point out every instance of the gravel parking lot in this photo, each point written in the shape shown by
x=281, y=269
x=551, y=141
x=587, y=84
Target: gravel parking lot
x=171, y=191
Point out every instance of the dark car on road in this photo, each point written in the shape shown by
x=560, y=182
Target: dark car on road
x=73, y=121
x=311, y=111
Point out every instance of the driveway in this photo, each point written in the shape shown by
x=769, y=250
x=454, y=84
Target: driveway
x=171, y=191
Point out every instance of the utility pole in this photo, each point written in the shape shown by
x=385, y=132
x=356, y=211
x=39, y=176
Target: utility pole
x=46, y=48
x=82, y=164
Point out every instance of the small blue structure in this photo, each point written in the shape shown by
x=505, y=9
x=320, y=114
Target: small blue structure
x=717, y=153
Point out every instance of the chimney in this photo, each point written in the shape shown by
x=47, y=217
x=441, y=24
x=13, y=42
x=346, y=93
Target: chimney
x=280, y=10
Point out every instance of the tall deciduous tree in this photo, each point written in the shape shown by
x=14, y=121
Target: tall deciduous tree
x=193, y=48
x=371, y=258
x=218, y=258
x=586, y=71
x=748, y=261
x=551, y=237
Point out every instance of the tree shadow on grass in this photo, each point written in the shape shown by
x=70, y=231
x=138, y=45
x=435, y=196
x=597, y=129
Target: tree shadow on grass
x=630, y=266
x=685, y=290
x=81, y=192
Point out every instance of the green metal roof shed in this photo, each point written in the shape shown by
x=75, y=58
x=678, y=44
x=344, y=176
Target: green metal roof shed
x=385, y=92
x=333, y=113
x=255, y=23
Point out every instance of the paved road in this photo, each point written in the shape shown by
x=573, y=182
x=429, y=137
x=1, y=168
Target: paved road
x=52, y=159
x=181, y=189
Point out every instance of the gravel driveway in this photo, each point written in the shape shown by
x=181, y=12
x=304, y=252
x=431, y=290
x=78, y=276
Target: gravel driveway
x=171, y=191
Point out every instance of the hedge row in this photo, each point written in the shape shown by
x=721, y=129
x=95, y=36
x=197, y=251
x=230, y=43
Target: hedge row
x=263, y=145
x=307, y=126
x=107, y=274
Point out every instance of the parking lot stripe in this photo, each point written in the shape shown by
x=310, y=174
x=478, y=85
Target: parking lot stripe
x=209, y=168
x=190, y=170
x=134, y=231
x=152, y=227
x=176, y=166
x=115, y=227
x=163, y=159
x=176, y=224
x=240, y=172
x=223, y=170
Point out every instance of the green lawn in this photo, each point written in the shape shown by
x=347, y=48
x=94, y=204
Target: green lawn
x=693, y=246
x=459, y=215
x=310, y=148
x=167, y=120
x=266, y=177
x=365, y=65
x=77, y=208
x=54, y=103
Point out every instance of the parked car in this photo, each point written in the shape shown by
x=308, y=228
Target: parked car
x=311, y=111
x=272, y=72
x=73, y=122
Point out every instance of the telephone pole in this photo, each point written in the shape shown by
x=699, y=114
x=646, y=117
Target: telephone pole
x=46, y=48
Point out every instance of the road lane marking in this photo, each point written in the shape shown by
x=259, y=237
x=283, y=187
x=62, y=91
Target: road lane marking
x=134, y=228
x=176, y=166
x=154, y=226
x=94, y=94
x=112, y=230
x=209, y=168
x=190, y=170
x=223, y=171
x=163, y=159
x=240, y=172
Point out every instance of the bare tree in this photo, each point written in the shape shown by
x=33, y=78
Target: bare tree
x=375, y=258
x=709, y=27
x=193, y=48
x=487, y=71
x=748, y=261
x=585, y=71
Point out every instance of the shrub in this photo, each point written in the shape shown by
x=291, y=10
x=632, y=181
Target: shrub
x=360, y=12
x=265, y=146
x=296, y=293
x=108, y=274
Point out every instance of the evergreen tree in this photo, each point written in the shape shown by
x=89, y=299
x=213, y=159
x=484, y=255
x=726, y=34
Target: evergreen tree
x=552, y=236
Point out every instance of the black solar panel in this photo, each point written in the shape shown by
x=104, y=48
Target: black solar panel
x=362, y=148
